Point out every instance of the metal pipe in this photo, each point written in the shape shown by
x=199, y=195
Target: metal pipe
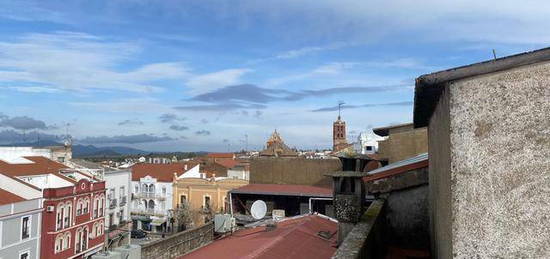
x=322, y=199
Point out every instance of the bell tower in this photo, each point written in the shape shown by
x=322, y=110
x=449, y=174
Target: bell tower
x=339, y=131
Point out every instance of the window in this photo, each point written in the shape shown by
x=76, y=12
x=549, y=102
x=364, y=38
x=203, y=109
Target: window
x=58, y=243
x=101, y=205
x=369, y=148
x=25, y=227
x=183, y=199
x=77, y=243
x=79, y=204
x=67, y=241
x=85, y=206
x=136, y=189
x=206, y=202
x=67, y=215
x=59, y=217
x=122, y=192
x=24, y=255
x=111, y=193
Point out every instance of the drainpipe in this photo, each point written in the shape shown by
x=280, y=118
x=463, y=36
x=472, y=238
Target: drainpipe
x=320, y=199
x=231, y=208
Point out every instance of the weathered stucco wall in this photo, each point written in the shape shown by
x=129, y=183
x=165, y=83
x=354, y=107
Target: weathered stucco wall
x=440, y=179
x=293, y=171
x=500, y=170
x=403, y=143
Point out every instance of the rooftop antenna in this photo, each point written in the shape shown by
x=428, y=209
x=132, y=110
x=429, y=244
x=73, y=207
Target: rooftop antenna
x=340, y=103
x=494, y=54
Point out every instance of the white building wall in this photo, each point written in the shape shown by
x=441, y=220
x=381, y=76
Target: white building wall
x=114, y=181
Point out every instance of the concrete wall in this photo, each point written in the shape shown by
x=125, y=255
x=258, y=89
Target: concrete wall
x=403, y=143
x=293, y=171
x=490, y=189
x=440, y=179
x=178, y=244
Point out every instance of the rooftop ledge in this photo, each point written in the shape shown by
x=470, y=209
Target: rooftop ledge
x=347, y=174
x=363, y=241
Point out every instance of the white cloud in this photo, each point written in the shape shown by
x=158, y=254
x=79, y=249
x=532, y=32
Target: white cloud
x=34, y=89
x=207, y=82
x=122, y=105
x=334, y=68
x=79, y=62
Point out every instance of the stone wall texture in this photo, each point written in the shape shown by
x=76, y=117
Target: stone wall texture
x=179, y=244
x=293, y=171
x=499, y=166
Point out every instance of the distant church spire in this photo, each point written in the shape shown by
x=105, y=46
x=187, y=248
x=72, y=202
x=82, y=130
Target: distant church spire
x=339, y=131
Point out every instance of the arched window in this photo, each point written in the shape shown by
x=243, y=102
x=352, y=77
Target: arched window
x=79, y=205
x=144, y=188
x=93, y=234
x=84, y=238
x=58, y=243
x=101, y=205
x=151, y=205
x=67, y=214
x=77, y=240
x=59, y=216
x=100, y=229
x=67, y=241
x=151, y=188
x=145, y=204
x=85, y=205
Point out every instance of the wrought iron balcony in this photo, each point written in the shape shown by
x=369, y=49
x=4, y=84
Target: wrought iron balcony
x=112, y=203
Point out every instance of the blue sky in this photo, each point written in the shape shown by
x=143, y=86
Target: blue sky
x=200, y=75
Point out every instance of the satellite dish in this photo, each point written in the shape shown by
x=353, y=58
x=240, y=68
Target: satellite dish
x=258, y=209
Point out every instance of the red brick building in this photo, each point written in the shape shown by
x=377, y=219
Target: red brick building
x=74, y=206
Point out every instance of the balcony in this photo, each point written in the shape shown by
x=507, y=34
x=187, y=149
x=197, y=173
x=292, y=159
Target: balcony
x=150, y=195
x=149, y=212
x=112, y=203
x=122, y=201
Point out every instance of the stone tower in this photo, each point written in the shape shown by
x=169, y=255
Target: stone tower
x=339, y=134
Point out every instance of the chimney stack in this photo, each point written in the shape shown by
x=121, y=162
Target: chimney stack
x=348, y=200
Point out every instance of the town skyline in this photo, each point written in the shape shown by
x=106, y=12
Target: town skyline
x=199, y=76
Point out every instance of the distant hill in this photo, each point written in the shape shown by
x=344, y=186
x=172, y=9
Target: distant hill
x=86, y=150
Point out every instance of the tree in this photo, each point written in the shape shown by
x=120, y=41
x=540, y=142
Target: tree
x=182, y=218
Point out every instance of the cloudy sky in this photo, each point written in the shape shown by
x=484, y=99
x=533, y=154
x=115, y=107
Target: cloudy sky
x=200, y=75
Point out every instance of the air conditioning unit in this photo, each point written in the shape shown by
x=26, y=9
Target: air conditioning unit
x=50, y=209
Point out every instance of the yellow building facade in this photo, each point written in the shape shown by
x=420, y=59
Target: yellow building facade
x=200, y=193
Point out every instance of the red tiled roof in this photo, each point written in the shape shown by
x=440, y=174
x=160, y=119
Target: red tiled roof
x=284, y=189
x=8, y=197
x=228, y=163
x=162, y=172
x=40, y=165
x=220, y=155
x=293, y=238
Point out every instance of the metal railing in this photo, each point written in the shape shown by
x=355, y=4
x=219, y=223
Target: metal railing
x=152, y=212
x=112, y=203
x=149, y=195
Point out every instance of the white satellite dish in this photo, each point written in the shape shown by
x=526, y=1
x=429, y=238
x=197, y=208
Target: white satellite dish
x=258, y=209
